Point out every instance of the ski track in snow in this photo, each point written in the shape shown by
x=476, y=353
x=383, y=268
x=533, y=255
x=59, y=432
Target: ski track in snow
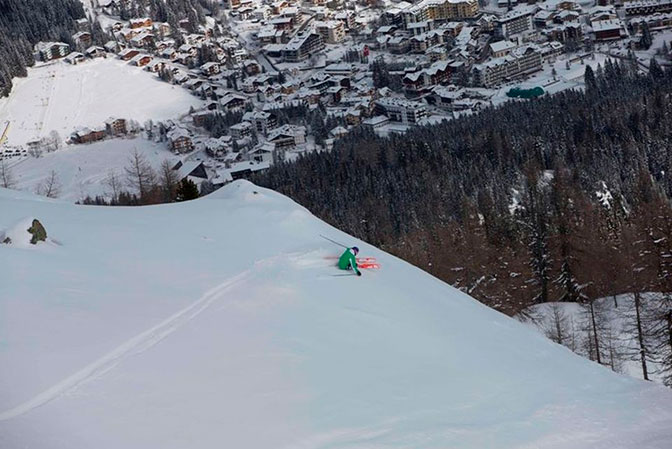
x=135, y=345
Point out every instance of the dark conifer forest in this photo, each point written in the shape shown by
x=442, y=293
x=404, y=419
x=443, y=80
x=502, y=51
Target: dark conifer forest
x=566, y=197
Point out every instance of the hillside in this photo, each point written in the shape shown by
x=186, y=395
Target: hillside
x=219, y=323
x=61, y=97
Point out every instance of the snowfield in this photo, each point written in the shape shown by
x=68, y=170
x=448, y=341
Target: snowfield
x=84, y=169
x=219, y=323
x=61, y=97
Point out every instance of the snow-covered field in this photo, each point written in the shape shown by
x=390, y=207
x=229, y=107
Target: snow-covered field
x=61, y=97
x=84, y=169
x=219, y=323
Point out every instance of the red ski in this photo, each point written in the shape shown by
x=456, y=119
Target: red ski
x=364, y=263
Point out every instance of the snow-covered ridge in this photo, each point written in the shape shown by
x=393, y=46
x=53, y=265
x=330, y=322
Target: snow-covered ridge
x=218, y=322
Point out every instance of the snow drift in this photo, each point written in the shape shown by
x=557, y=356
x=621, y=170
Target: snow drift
x=219, y=323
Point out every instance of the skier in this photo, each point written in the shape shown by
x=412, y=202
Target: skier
x=348, y=261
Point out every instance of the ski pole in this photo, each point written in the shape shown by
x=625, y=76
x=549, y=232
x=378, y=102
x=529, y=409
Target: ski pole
x=333, y=241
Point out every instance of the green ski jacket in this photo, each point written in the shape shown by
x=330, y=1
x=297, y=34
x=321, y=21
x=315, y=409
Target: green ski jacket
x=348, y=259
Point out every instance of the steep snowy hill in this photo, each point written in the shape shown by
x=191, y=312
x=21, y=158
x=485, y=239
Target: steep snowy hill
x=219, y=323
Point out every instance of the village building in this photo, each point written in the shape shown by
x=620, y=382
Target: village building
x=302, y=46
x=521, y=61
x=287, y=136
x=74, y=58
x=263, y=153
x=441, y=10
x=47, y=51
x=332, y=31
x=179, y=140
x=263, y=121
x=514, y=22
x=140, y=23
x=241, y=130
x=116, y=126
x=400, y=110
x=83, y=39
x=87, y=135
x=376, y=122
x=606, y=30
x=210, y=68
x=128, y=54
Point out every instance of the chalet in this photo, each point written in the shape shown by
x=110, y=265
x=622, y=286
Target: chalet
x=163, y=28
x=155, y=66
x=438, y=72
x=353, y=116
x=446, y=96
x=252, y=68
x=400, y=110
x=141, y=60
x=190, y=49
x=244, y=170
x=128, y=54
x=233, y=101
x=241, y=130
x=116, y=126
x=210, y=68
x=74, y=58
x=263, y=121
x=566, y=32
x=376, y=122
x=543, y=18
x=140, y=23
x=201, y=118
x=501, y=48
x=279, y=6
x=399, y=44
x=282, y=23
x=414, y=81
x=348, y=19
x=48, y=51
x=82, y=24
x=338, y=132
x=605, y=30
x=87, y=135
x=142, y=40
x=112, y=46
x=287, y=136
x=262, y=153
x=179, y=140
x=96, y=52
x=82, y=38
x=332, y=31
x=191, y=169
x=218, y=148
x=168, y=53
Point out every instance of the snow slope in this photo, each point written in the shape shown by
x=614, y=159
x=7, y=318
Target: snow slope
x=61, y=97
x=83, y=169
x=218, y=323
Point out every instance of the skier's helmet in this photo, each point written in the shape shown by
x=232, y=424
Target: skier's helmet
x=355, y=249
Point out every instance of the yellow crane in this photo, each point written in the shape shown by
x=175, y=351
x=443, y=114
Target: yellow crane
x=3, y=137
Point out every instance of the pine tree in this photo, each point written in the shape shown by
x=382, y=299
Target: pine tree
x=655, y=70
x=589, y=78
x=186, y=190
x=645, y=40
